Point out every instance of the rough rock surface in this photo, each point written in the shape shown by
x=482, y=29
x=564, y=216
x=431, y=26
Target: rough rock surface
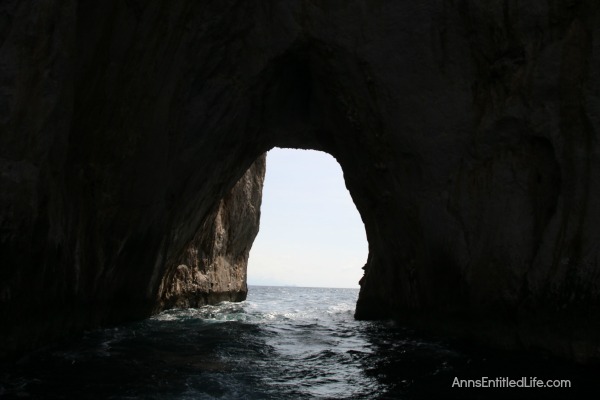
x=466, y=130
x=212, y=267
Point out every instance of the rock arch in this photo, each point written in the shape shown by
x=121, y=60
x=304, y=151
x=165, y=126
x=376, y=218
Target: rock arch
x=465, y=133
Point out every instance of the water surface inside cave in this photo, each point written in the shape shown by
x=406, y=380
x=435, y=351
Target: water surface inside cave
x=281, y=343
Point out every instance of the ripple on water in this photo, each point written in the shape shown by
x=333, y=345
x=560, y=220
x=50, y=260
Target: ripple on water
x=283, y=343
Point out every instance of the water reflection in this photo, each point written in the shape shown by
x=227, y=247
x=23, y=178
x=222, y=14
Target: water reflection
x=284, y=343
x=411, y=365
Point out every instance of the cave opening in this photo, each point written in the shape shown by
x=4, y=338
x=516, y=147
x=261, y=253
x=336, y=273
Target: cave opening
x=311, y=234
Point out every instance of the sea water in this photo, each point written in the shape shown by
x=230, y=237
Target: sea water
x=281, y=343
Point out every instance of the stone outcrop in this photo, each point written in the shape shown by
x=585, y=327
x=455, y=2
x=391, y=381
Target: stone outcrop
x=212, y=267
x=466, y=130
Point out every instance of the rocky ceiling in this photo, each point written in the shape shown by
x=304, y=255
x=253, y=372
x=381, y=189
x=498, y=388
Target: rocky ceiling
x=466, y=130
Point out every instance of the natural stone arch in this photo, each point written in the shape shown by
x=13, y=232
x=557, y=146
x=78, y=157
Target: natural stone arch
x=303, y=105
x=124, y=124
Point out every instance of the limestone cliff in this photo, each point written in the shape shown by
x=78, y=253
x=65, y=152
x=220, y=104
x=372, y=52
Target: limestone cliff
x=466, y=130
x=212, y=267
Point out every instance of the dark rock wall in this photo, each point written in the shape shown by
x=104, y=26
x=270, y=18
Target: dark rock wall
x=466, y=131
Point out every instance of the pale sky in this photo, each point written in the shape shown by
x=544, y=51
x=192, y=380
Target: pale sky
x=310, y=231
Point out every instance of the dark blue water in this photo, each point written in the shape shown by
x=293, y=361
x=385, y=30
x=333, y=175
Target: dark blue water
x=282, y=343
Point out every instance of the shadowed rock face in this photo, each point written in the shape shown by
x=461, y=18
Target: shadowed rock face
x=466, y=131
